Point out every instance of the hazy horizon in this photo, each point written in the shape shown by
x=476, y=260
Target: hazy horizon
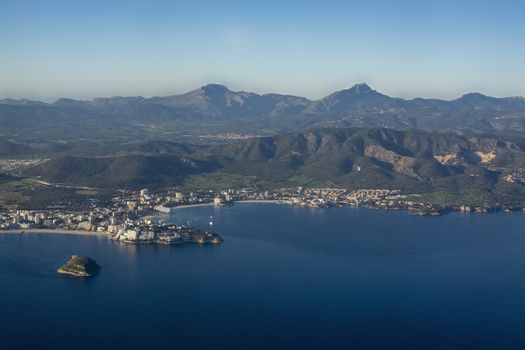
x=245, y=90
x=403, y=49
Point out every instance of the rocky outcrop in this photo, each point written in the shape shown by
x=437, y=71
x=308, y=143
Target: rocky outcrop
x=486, y=157
x=446, y=158
x=401, y=164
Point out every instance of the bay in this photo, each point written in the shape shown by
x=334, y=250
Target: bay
x=284, y=278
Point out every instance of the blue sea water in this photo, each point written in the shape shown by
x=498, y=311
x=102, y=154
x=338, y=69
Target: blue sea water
x=284, y=278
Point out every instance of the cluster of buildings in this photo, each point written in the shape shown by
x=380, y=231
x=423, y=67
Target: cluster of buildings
x=313, y=198
x=331, y=197
x=298, y=196
x=484, y=209
x=126, y=219
x=516, y=177
x=7, y=165
x=51, y=219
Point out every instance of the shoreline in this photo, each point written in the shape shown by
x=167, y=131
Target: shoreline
x=55, y=232
x=439, y=212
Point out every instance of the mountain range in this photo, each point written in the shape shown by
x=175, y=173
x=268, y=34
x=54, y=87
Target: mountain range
x=470, y=149
x=214, y=109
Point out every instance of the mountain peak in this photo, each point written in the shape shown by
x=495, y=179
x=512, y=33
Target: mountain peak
x=360, y=88
x=214, y=88
x=473, y=95
x=475, y=98
x=65, y=101
x=20, y=102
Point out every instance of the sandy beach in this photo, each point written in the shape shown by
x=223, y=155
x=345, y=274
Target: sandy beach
x=56, y=232
x=193, y=205
x=261, y=201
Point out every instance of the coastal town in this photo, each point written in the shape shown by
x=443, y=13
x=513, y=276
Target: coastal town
x=137, y=216
x=128, y=218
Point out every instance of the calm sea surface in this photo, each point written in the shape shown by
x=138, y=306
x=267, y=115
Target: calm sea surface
x=284, y=278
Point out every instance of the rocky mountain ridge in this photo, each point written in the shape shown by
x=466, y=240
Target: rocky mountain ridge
x=214, y=108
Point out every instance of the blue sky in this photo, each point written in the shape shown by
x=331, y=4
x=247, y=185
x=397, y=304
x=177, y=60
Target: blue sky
x=82, y=49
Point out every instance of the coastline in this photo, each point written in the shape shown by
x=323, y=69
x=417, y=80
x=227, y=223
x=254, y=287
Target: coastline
x=55, y=232
x=248, y=201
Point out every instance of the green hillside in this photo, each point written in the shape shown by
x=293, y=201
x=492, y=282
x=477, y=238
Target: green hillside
x=412, y=160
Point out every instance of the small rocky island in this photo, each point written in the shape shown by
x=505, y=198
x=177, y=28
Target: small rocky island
x=79, y=266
